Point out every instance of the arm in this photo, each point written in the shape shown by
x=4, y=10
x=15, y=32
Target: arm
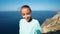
x=38, y=29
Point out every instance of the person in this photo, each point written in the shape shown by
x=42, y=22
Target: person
x=28, y=25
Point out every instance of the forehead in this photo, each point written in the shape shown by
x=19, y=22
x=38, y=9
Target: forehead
x=25, y=9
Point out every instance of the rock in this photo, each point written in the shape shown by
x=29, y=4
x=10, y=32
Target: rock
x=51, y=24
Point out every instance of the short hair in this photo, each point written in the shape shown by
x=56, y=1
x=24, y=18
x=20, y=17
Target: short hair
x=26, y=6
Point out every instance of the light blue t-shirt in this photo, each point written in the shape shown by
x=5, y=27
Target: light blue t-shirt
x=32, y=27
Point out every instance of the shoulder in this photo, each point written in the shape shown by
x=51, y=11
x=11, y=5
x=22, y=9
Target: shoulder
x=35, y=20
x=21, y=20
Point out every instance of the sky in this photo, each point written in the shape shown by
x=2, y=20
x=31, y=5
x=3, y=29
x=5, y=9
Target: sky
x=14, y=5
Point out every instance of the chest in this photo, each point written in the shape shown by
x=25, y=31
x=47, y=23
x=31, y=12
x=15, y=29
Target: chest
x=27, y=26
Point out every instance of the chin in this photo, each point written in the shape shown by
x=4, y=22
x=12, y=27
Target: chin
x=27, y=19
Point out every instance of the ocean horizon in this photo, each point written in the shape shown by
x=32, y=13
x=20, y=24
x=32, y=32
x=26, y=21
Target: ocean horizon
x=9, y=20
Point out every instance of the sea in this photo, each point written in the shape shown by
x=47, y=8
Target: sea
x=9, y=20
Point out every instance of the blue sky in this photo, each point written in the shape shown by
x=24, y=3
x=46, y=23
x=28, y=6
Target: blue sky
x=14, y=5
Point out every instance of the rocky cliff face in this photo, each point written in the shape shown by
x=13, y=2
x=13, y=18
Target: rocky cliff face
x=51, y=24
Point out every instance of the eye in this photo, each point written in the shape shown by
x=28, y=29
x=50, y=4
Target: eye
x=23, y=14
x=27, y=13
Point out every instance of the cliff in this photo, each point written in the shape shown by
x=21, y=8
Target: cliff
x=51, y=24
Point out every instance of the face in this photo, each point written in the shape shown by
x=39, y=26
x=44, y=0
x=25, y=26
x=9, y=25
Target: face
x=25, y=13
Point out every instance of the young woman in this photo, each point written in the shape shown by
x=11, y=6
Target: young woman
x=28, y=25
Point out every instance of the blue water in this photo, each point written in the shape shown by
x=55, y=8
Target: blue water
x=9, y=20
